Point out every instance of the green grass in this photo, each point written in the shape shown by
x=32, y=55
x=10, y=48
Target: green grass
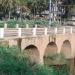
x=13, y=62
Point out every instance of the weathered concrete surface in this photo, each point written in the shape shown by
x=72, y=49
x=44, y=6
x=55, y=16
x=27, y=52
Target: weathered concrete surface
x=40, y=46
x=53, y=44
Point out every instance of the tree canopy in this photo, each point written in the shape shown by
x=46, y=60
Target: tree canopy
x=35, y=6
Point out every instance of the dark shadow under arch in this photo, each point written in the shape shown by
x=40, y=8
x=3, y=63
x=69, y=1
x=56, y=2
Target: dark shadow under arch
x=32, y=53
x=51, y=50
x=66, y=49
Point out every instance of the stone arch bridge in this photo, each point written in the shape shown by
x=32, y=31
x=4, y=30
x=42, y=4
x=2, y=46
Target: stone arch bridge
x=41, y=41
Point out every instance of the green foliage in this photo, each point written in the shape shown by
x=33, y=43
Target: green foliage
x=44, y=70
x=12, y=23
x=55, y=24
x=51, y=70
x=57, y=59
x=60, y=69
x=37, y=5
x=12, y=62
x=40, y=23
x=69, y=2
x=34, y=5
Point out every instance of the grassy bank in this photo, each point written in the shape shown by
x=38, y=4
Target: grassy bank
x=13, y=62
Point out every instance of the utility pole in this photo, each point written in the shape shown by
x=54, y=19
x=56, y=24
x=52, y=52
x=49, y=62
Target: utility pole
x=10, y=6
x=50, y=12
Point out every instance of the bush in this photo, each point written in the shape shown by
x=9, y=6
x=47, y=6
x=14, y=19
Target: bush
x=12, y=62
x=51, y=70
x=12, y=23
x=44, y=70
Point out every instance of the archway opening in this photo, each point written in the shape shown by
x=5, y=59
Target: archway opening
x=32, y=54
x=51, y=51
x=66, y=49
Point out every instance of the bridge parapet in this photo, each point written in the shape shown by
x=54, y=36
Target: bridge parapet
x=25, y=32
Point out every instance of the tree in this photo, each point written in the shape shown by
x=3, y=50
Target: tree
x=22, y=5
x=37, y=6
x=69, y=6
x=67, y=2
x=7, y=6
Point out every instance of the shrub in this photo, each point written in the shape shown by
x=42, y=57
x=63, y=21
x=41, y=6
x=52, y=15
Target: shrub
x=40, y=23
x=12, y=62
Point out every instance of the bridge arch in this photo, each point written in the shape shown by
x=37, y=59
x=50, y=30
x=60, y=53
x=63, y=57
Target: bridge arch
x=31, y=51
x=51, y=50
x=66, y=49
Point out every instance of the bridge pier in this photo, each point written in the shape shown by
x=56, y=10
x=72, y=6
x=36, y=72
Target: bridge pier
x=41, y=61
x=59, y=42
x=71, y=66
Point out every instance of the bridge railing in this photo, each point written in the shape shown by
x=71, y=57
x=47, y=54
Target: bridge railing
x=28, y=32
x=10, y=32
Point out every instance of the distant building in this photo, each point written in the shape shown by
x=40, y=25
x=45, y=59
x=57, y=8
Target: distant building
x=55, y=13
